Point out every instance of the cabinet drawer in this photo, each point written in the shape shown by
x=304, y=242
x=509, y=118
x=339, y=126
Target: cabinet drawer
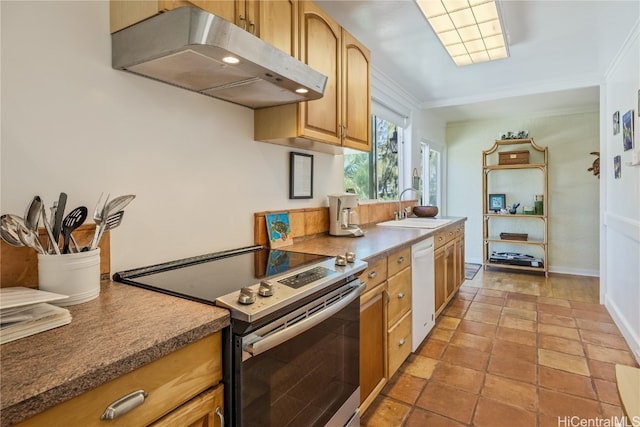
x=399, y=287
x=398, y=260
x=199, y=411
x=399, y=341
x=440, y=239
x=169, y=381
x=375, y=274
x=450, y=234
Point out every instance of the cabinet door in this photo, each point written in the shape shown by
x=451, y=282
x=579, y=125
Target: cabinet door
x=460, y=259
x=198, y=412
x=451, y=269
x=277, y=23
x=356, y=94
x=320, y=46
x=372, y=344
x=224, y=9
x=440, y=268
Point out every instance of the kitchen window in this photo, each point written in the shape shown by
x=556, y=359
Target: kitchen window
x=375, y=175
x=431, y=173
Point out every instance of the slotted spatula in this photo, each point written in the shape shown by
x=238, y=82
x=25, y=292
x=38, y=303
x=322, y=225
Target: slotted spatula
x=72, y=221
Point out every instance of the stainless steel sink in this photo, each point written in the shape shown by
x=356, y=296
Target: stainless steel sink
x=416, y=223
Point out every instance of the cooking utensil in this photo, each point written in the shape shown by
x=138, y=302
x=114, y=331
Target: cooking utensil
x=47, y=227
x=98, y=218
x=32, y=214
x=117, y=204
x=30, y=238
x=112, y=221
x=114, y=206
x=16, y=227
x=9, y=231
x=57, y=223
x=72, y=221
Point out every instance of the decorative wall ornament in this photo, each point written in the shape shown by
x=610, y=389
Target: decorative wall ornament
x=617, y=167
x=627, y=130
x=595, y=166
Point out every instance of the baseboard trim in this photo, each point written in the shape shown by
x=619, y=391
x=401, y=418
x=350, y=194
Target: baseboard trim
x=574, y=271
x=633, y=340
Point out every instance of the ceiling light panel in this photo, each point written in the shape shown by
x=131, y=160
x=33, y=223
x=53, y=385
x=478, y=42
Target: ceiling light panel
x=470, y=30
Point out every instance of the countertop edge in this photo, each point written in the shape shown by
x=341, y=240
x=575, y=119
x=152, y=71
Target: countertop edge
x=39, y=403
x=29, y=387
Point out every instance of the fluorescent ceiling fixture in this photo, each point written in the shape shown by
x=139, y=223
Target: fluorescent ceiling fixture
x=469, y=30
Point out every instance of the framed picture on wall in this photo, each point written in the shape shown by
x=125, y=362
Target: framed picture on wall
x=496, y=202
x=300, y=176
x=627, y=130
x=616, y=122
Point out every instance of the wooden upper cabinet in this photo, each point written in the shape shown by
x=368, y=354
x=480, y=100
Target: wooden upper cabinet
x=277, y=23
x=342, y=117
x=356, y=94
x=124, y=13
x=274, y=21
x=320, y=48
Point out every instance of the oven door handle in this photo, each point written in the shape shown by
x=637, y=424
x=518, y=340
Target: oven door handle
x=271, y=341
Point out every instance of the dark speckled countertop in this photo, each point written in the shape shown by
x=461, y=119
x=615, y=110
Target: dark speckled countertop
x=123, y=329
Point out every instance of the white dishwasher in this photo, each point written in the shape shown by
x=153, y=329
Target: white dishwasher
x=422, y=291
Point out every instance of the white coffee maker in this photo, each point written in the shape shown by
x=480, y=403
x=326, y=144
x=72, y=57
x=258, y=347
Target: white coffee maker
x=343, y=218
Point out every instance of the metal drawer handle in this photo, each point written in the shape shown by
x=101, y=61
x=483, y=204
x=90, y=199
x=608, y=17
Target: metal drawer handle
x=401, y=342
x=372, y=274
x=400, y=259
x=440, y=238
x=401, y=295
x=124, y=405
x=220, y=415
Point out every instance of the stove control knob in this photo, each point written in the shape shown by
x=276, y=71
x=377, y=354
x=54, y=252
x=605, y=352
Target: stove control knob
x=247, y=296
x=351, y=256
x=265, y=289
x=341, y=260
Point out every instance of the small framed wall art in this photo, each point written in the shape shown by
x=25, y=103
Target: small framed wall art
x=627, y=130
x=300, y=176
x=496, y=202
x=616, y=122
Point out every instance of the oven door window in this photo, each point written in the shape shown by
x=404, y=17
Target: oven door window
x=304, y=380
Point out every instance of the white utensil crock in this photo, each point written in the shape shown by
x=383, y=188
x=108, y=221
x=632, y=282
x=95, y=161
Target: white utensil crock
x=76, y=275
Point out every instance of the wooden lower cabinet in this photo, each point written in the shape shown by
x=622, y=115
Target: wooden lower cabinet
x=204, y=410
x=449, y=264
x=440, y=266
x=399, y=344
x=172, y=383
x=398, y=309
x=373, y=335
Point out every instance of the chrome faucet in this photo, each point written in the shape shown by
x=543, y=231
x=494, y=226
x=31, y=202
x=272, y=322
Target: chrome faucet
x=401, y=214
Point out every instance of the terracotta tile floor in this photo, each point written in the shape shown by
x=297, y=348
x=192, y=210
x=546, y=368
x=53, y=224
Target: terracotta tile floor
x=511, y=350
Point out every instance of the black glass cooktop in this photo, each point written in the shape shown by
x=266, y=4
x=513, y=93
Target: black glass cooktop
x=207, y=277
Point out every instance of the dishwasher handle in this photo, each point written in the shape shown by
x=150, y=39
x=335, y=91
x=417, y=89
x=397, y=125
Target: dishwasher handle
x=267, y=343
x=423, y=251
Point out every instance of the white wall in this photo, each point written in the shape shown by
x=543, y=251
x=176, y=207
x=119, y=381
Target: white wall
x=620, y=207
x=573, y=192
x=71, y=123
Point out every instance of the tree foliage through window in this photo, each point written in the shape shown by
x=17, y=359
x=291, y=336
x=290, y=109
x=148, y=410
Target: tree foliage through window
x=375, y=175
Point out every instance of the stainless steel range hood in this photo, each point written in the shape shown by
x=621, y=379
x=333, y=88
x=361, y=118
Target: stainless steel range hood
x=188, y=47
